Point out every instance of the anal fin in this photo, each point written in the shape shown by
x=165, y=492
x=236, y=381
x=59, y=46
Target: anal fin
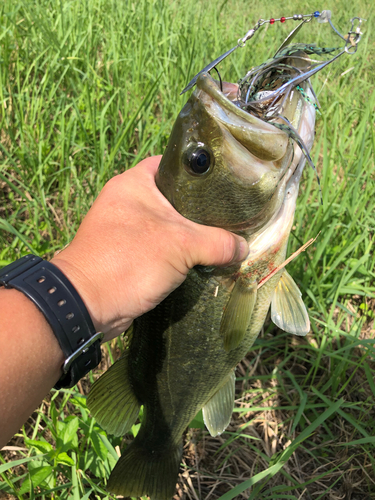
x=218, y=410
x=112, y=401
x=288, y=311
x=238, y=311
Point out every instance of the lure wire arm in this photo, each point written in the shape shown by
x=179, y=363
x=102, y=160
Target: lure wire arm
x=351, y=39
x=220, y=80
x=354, y=35
x=207, y=68
x=242, y=41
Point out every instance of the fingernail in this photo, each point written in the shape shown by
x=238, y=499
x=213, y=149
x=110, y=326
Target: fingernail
x=243, y=250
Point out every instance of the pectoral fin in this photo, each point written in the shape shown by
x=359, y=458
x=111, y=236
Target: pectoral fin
x=288, y=311
x=112, y=401
x=238, y=311
x=218, y=410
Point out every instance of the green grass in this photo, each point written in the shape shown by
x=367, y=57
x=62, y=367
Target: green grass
x=87, y=89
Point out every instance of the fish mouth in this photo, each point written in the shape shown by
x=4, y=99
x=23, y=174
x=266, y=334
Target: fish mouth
x=262, y=138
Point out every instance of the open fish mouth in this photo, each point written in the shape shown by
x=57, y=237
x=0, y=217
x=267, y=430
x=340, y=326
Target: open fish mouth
x=262, y=117
x=257, y=135
x=300, y=118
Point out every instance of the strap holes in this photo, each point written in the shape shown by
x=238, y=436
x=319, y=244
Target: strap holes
x=81, y=340
x=61, y=302
x=76, y=329
x=52, y=290
x=69, y=316
x=88, y=362
x=41, y=279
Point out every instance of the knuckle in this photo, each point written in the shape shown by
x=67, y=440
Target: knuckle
x=110, y=184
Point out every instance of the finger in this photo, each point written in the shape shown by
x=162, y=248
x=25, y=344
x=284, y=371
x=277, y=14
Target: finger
x=217, y=247
x=150, y=164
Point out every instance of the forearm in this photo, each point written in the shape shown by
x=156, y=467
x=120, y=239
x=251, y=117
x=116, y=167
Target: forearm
x=30, y=360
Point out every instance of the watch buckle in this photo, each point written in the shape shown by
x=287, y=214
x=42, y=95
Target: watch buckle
x=81, y=350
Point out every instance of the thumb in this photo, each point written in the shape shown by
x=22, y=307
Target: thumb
x=217, y=247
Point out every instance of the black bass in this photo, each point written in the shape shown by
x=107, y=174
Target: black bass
x=224, y=166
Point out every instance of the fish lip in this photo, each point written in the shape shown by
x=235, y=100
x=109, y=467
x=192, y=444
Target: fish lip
x=261, y=138
x=292, y=176
x=207, y=84
x=211, y=87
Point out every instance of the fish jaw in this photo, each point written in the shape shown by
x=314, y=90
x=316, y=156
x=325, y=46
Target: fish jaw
x=256, y=135
x=275, y=234
x=249, y=158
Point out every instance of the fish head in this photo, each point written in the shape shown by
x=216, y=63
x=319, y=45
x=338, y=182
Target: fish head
x=225, y=166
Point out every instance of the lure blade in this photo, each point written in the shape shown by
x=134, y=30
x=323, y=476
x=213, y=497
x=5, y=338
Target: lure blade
x=290, y=37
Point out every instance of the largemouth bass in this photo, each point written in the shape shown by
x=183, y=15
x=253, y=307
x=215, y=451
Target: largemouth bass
x=224, y=166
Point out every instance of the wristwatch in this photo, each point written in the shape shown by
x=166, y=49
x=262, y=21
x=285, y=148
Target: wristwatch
x=63, y=308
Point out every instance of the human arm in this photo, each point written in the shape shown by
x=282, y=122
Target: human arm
x=130, y=252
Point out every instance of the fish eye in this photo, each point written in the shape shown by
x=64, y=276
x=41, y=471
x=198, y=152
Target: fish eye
x=199, y=161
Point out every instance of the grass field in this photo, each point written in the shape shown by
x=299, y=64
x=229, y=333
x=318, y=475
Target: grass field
x=87, y=89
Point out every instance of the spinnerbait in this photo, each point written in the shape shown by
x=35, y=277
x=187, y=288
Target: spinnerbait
x=351, y=40
x=265, y=90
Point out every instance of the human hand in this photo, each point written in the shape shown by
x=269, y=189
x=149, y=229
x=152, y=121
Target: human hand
x=133, y=249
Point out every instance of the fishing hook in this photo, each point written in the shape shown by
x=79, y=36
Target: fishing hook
x=220, y=80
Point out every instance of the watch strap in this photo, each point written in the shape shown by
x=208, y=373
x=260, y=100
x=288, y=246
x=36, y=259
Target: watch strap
x=58, y=300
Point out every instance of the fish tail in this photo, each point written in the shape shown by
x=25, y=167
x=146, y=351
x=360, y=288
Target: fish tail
x=143, y=471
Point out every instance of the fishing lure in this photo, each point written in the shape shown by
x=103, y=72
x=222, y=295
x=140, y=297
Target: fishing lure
x=265, y=89
x=351, y=40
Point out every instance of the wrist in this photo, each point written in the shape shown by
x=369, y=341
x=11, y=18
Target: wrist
x=85, y=277
x=79, y=277
x=57, y=299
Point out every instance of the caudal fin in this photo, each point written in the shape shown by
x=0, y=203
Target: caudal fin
x=143, y=471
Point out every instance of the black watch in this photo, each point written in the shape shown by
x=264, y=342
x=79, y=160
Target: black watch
x=58, y=300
